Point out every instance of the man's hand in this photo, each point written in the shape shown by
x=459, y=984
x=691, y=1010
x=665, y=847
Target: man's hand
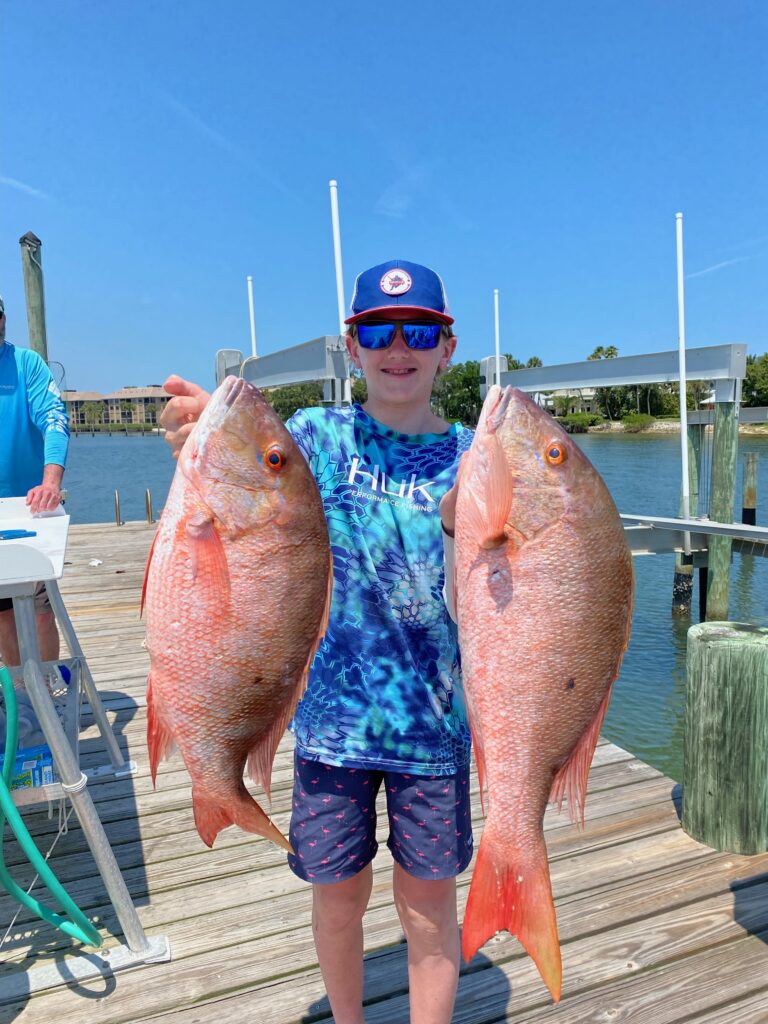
x=47, y=495
x=182, y=412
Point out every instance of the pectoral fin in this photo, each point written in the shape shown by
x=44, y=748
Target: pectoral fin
x=206, y=553
x=496, y=497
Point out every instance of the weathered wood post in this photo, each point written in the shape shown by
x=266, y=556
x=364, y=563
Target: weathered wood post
x=725, y=446
x=725, y=745
x=749, y=490
x=682, y=584
x=32, y=268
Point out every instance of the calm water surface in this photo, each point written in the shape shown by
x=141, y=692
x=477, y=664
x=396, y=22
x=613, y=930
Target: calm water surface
x=643, y=474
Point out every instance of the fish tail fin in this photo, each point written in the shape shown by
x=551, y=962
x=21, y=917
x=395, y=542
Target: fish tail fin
x=516, y=896
x=571, y=780
x=160, y=739
x=214, y=813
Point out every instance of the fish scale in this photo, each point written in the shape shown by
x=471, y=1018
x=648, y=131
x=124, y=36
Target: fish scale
x=544, y=589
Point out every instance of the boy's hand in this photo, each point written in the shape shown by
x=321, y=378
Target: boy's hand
x=448, y=510
x=448, y=502
x=182, y=412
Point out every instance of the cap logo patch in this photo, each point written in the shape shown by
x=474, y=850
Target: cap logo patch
x=396, y=282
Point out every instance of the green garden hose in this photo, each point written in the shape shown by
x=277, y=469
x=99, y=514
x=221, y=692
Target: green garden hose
x=79, y=927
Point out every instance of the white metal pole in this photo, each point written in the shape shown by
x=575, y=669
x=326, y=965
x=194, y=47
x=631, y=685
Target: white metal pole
x=498, y=341
x=683, y=379
x=253, y=322
x=337, y=253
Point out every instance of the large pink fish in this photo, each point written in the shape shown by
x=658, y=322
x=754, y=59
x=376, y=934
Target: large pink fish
x=237, y=594
x=544, y=588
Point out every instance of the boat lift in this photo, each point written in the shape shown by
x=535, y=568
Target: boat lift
x=323, y=360
x=34, y=553
x=723, y=365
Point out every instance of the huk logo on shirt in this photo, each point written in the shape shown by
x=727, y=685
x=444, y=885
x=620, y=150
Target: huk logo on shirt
x=377, y=481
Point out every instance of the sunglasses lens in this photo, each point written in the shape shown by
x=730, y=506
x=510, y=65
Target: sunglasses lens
x=375, y=335
x=421, y=335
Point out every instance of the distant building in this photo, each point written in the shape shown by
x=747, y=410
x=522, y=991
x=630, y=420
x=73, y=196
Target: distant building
x=128, y=405
x=565, y=402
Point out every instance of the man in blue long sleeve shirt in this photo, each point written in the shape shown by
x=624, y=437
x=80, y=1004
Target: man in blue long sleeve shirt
x=34, y=434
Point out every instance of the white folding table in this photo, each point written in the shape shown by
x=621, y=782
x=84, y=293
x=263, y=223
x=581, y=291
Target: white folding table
x=26, y=561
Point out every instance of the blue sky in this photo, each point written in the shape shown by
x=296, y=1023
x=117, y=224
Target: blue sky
x=164, y=150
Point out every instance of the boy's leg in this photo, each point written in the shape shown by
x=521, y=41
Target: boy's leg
x=430, y=821
x=333, y=834
x=337, y=928
x=427, y=911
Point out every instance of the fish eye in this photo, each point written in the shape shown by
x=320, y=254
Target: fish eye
x=275, y=458
x=555, y=454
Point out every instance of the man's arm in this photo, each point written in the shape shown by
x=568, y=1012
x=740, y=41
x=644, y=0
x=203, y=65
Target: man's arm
x=49, y=414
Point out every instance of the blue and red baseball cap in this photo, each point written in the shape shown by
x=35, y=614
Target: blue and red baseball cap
x=399, y=285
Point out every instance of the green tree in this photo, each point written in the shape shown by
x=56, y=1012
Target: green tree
x=359, y=390
x=126, y=410
x=609, y=400
x=512, y=363
x=456, y=393
x=562, y=404
x=533, y=361
x=755, y=390
x=285, y=401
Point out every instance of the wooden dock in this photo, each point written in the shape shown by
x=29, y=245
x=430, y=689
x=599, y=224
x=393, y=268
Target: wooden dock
x=654, y=927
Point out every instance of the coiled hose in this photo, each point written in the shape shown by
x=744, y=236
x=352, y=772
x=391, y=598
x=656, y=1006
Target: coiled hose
x=79, y=927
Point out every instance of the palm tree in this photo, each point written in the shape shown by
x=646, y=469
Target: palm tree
x=93, y=413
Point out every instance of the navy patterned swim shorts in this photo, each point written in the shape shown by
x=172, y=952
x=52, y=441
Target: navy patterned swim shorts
x=333, y=823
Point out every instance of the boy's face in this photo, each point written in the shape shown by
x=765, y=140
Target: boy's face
x=399, y=374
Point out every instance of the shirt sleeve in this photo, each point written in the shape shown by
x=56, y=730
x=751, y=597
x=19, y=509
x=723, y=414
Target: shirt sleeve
x=299, y=429
x=47, y=411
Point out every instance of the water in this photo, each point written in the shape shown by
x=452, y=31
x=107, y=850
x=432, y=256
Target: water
x=643, y=474
x=99, y=465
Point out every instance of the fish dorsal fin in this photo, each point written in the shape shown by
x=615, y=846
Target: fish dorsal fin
x=146, y=575
x=262, y=755
x=571, y=780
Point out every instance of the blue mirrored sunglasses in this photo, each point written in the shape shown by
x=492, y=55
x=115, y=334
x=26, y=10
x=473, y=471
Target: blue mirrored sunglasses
x=419, y=336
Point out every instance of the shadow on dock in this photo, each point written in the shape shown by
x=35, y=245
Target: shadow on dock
x=750, y=904
x=32, y=948
x=386, y=979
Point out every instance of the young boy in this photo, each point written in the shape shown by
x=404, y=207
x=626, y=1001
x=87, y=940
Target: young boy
x=384, y=702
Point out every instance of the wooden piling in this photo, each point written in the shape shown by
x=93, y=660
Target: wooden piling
x=32, y=268
x=725, y=746
x=725, y=444
x=749, y=490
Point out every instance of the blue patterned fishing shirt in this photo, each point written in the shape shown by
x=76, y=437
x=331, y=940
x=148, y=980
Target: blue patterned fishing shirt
x=384, y=689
